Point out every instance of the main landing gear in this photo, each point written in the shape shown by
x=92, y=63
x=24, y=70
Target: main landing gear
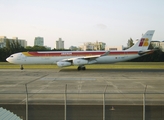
x=81, y=68
x=21, y=67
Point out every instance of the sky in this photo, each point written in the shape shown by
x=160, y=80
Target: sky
x=77, y=21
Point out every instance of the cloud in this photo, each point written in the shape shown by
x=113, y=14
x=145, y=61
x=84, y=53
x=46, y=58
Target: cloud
x=101, y=26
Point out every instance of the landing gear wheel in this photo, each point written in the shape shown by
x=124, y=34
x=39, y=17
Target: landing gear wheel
x=21, y=67
x=81, y=68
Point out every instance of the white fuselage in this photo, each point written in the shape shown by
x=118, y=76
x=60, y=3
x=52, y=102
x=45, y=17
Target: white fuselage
x=20, y=58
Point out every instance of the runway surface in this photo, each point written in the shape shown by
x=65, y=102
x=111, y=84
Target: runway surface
x=53, y=86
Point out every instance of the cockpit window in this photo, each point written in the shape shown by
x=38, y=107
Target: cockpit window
x=11, y=56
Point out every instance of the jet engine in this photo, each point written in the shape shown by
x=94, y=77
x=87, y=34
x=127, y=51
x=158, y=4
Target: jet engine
x=80, y=62
x=63, y=63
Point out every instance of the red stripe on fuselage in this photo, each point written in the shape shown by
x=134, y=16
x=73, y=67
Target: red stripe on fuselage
x=86, y=53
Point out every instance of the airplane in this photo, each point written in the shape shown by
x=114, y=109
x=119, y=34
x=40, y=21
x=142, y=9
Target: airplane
x=82, y=58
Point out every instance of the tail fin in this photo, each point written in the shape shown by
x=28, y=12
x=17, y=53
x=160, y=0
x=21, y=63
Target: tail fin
x=144, y=42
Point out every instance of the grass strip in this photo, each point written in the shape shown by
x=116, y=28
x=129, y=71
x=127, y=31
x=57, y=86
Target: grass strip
x=121, y=65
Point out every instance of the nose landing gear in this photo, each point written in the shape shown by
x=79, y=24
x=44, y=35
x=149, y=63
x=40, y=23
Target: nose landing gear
x=21, y=67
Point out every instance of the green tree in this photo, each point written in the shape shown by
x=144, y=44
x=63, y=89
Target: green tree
x=10, y=48
x=130, y=43
x=156, y=56
x=36, y=48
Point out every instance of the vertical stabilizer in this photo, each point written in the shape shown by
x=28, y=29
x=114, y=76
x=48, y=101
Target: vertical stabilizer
x=144, y=42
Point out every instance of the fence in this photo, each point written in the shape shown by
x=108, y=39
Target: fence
x=72, y=102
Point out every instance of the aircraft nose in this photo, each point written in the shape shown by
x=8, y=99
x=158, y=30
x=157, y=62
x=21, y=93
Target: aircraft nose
x=7, y=59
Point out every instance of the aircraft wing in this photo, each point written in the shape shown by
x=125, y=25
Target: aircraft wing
x=96, y=56
x=92, y=57
x=80, y=60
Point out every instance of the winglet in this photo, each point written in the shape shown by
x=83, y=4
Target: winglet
x=105, y=54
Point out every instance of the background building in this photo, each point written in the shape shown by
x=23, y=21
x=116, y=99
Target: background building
x=49, y=48
x=3, y=40
x=114, y=48
x=92, y=46
x=59, y=44
x=158, y=44
x=39, y=41
x=73, y=48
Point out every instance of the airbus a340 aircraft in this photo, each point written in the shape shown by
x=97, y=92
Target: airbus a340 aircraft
x=82, y=58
